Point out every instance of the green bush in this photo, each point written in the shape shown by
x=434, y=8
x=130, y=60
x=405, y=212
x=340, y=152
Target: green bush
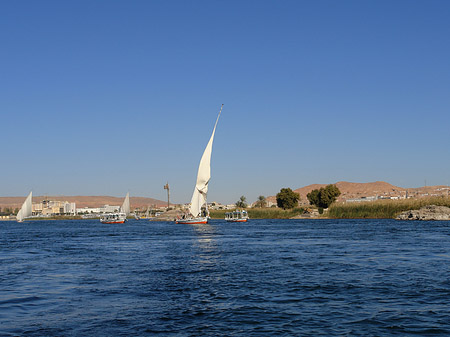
x=287, y=198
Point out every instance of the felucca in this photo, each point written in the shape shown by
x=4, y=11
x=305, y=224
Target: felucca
x=121, y=217
x=26, y=210
x=196, y=214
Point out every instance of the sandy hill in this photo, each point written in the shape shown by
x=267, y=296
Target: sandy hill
x=351, y=190
x=354, y=190
x=84, y=201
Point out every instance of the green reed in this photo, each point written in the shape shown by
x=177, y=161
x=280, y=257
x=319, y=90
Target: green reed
x=262, y=213
x=382, y=209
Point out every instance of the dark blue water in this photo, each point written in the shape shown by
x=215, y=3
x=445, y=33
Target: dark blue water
x=264, y=278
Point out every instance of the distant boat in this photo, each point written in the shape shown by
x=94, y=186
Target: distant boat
x=26, y=210
x=196, y=214
x=147, y=214
x=237, y=216
x=118, y=217
x=126, y=205
x=113, y=218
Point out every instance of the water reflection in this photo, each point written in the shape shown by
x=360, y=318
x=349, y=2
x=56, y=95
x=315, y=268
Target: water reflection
x=205, y=245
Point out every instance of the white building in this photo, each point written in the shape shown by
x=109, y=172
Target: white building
x=98, y=210
x=109, y=209
x=70, y=208
x=54, y=207
x=88, y=210
x=362, y=199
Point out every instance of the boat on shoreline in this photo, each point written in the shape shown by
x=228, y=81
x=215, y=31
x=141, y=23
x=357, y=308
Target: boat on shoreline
x=118, y=217
x=198, y=210
x=237, y=216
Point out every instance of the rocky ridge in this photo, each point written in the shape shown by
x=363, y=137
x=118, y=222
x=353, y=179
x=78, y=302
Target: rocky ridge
x=431, y=212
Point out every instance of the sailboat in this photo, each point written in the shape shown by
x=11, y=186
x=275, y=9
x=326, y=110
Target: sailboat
x=196, y=215
x=147, y=214
x=120, y=217
x=26, y=209
x=126, y=205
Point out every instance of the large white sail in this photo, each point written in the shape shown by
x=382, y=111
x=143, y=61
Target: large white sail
x=203, y=177
x=126, y=205
x=26, y=209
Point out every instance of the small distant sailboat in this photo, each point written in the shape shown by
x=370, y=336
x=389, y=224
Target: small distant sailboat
x=198, y=200
x=147, y=214
x=27, y=209
x=126, y=205
x=121, y=217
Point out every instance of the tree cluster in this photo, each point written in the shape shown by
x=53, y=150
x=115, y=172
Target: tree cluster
x=8, y=211
x=324, y=196
x=287, y=198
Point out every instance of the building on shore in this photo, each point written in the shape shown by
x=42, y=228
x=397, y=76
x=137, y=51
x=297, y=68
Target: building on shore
x=53, y=207
x=98, y=210
x=362, y=199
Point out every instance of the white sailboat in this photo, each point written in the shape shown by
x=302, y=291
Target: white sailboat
x=26, y=209
x=120, y=217
x=126, y=205
x=201, y=187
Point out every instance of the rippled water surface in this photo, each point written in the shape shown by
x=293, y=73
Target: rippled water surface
x=267, y=277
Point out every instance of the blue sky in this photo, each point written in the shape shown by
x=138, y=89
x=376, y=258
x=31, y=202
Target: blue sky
x=106, y=97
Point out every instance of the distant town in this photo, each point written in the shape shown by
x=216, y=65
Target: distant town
x=51, y=208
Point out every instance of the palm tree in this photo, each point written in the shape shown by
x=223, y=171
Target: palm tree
x=241, y=203
x=261, y=202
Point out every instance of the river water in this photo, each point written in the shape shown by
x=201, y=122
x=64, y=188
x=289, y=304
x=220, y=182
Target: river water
x=263, y=278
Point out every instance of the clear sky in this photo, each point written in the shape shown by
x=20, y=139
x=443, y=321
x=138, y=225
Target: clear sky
x=106, y=97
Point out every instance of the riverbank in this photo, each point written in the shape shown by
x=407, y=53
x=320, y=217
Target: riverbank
x=380, y=209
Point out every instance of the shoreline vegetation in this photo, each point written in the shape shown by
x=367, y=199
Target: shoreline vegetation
x=382, y=209
x=379, y=209
x=263, y=213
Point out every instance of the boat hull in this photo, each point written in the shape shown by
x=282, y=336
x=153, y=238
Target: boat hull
x=237, y=220
x=193, y=221
x=113, y=218
x=112, y=222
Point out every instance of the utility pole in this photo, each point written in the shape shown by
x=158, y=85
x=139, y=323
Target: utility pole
x=166, y=187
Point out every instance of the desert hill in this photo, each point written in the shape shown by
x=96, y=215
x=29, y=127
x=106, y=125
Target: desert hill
x=84, y=201
x=351, y=190
x=355, y=190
